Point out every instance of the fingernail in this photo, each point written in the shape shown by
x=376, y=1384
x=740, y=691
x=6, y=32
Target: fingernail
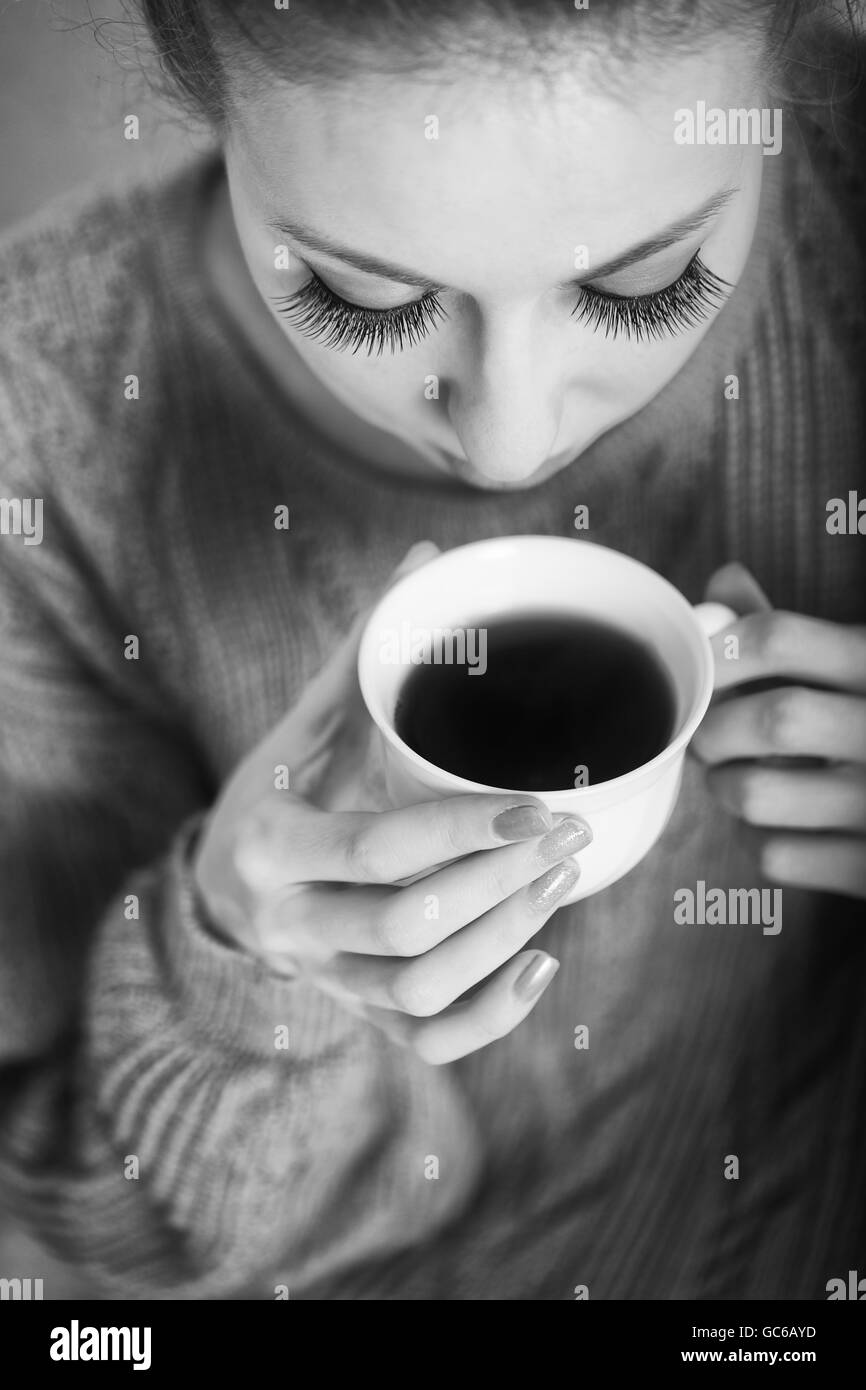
x=554, y=884
x=522, y=822
x=566, y=838
x=535, y=977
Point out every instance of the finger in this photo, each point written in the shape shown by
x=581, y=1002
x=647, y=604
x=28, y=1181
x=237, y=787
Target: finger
x=419, y=554
x=830, y=863
x=738, y=588
x=285, y=840
x=793, y=647
x=792, y=721
x=411, y=920
x=427, y=984
x=821, y=799
x=493, y=1012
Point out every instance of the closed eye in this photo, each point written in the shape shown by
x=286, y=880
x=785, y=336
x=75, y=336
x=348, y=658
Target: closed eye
x=662, y=313
x=320, y=313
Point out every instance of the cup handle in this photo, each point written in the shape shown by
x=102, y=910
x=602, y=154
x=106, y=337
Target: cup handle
x=714, y=616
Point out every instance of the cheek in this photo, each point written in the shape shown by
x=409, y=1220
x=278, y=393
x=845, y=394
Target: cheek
x=619, y=376
x=395, y=383
x=386, y=391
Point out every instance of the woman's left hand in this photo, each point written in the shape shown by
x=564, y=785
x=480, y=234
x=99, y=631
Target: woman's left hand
x=813, y=816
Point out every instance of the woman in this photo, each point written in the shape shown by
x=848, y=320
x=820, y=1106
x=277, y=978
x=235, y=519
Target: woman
x=449, y=272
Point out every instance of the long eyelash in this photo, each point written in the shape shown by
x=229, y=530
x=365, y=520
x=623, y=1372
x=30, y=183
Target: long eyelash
x=318, y=312
x=684, y=304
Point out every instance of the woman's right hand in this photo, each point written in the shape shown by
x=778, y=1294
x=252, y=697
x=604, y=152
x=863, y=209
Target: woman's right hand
x=322, y=893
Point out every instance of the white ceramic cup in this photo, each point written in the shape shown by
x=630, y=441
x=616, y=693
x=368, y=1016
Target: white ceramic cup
x=476, y=584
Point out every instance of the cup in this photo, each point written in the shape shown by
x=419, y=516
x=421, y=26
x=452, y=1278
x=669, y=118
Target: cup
x=513, y=575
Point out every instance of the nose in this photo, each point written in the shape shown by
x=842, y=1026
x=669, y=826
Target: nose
x=505, y=405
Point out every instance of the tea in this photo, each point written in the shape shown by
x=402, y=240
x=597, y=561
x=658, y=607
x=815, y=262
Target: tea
x=564, y=700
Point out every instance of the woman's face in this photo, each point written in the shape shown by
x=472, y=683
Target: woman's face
x=476, y=209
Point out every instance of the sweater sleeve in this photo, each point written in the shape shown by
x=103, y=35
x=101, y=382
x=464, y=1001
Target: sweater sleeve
x=176, y=1120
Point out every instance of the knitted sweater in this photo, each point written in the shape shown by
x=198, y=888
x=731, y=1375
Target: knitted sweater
x=152, y=1133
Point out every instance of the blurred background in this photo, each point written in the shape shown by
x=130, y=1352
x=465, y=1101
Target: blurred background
x=70, y=70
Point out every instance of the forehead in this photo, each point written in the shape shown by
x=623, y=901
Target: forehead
x=462, y=179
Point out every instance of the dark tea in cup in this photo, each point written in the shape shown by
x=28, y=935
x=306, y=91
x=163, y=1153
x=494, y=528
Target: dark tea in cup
x=562, y=700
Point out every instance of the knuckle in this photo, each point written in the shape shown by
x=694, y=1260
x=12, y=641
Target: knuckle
x=400, y=927
x=750, y=795
x=783, y=718
x=387, y=931
x=250, y=837
x=499, y=880
x=448, y=830
x=356, y=856
x=250, y=827
x=408, y=992
x=411, y=940
x=771, y=633
x=493, y=1026
x=362, y=857
x=511, y=928
x=775, y=858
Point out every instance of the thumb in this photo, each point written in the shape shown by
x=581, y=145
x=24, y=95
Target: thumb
x=336, y=683
x=304, y=739
x=737, y=587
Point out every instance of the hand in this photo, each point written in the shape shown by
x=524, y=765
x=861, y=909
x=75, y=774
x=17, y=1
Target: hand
x=320, y=889
x=792, y=759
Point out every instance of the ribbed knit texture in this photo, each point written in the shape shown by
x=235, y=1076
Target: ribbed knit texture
x=145, y=1036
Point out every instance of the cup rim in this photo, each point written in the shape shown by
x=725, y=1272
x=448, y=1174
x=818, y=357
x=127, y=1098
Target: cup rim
x=457, y=784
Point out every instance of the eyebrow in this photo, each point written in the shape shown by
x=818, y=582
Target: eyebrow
x=663, y=240
x=387, y=270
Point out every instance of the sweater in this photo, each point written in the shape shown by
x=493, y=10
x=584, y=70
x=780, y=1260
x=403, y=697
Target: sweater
x=153, y=1135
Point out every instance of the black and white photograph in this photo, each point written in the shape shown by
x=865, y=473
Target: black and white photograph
x=432, y=665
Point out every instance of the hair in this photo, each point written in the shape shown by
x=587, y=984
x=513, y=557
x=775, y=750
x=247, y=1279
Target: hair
x=318, y=41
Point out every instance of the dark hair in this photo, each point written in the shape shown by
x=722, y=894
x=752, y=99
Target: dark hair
x=316, y=40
